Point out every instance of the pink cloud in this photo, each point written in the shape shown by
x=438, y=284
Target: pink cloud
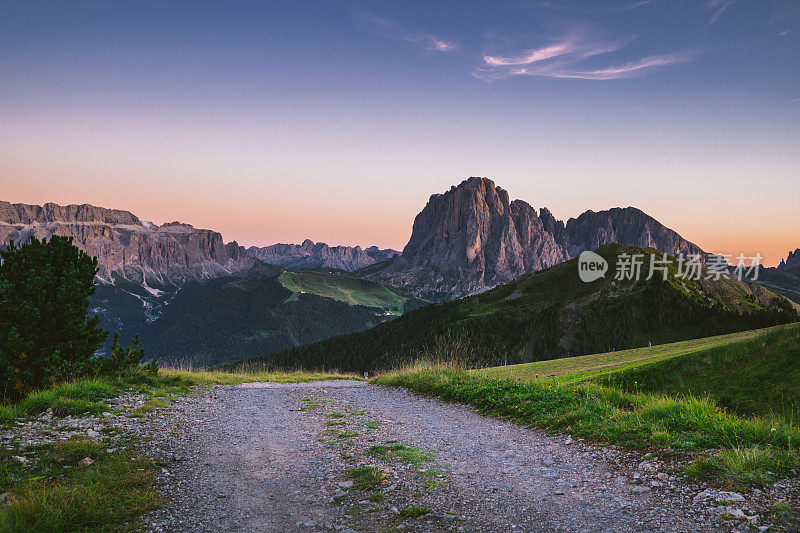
x=566, y=58
x=532, y=56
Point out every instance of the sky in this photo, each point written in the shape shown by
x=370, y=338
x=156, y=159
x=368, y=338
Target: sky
x=335, y=121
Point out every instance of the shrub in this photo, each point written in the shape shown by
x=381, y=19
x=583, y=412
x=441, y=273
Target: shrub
x=124, y=358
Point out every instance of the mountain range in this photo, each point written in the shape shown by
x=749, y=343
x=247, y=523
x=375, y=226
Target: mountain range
x=310, y=255
x=467, y=240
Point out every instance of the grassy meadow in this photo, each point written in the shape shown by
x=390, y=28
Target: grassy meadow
x=352, y=291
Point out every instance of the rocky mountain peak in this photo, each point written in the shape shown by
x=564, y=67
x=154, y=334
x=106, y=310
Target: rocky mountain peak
x=792, y=261
x=472, y=237
x=627, y=225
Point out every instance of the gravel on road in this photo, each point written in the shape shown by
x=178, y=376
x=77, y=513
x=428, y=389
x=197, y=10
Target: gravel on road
x=279, y=457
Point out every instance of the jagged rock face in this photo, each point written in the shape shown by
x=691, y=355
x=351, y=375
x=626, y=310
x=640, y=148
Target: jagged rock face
x=793, y=261
x=625, y=225
x=318, y=255
x=471, y=237
x=124, y=245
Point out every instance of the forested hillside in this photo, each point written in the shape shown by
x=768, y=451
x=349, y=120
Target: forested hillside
x=233, y=318
x=551, y=314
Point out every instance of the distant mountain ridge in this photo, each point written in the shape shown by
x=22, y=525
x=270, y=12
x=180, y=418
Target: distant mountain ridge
x=310, y=255
x=472, y=237
x=123, y=245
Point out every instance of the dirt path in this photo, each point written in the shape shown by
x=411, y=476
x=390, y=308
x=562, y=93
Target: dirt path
x=270, y=457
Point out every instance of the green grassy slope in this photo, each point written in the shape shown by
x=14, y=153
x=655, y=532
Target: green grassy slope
x=353, y=291
x=759, y=375
x=579, y=368
x=235, y=318
x=547, y=315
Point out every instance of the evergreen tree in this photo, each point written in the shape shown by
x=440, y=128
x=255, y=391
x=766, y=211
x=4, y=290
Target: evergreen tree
x=45, y=333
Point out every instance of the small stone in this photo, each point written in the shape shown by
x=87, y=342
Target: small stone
x=20, y=459
x=310, y=523
x=547, y=461
x=86, y=461
x=107, y=414
x=705, y=495
x=345, y=484
x=222, y=495
x=640, y=489
x=662, y=476
x=735, y=512
x=92, y=434
x=730, y=496
x=394, y=510
x=568, y=441
x=559, y=493
x=5, y=498
x=655, y=484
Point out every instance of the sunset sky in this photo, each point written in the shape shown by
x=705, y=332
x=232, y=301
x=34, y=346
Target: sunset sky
x=335, y=121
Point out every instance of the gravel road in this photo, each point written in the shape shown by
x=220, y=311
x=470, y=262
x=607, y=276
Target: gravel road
x=274, y=457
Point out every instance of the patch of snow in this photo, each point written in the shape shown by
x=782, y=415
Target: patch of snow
x=151, y=290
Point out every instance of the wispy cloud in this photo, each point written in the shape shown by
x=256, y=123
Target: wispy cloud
x=606, y=9
x=717, y=8
x=567, y=58
x=531, y=56
x=629, y=69
x=387, y=28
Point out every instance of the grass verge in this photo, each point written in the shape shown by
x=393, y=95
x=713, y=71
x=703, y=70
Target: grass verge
x=88, y=396
x=742, y=451
x=56, y=493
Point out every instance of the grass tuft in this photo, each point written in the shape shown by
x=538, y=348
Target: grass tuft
x=414, y=512
x=400, y=453
x=365, y=477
